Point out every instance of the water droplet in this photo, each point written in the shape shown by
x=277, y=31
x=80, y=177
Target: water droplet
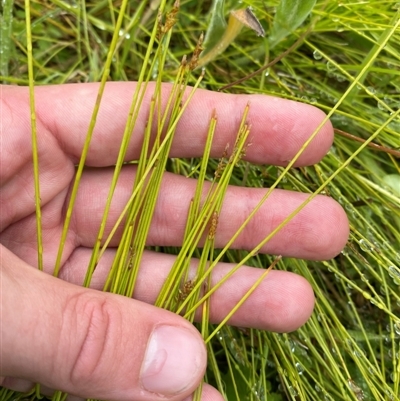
x=377, y=303
x=290, y=344
x=397, y=327
x=359, y=352
x=299, y=368
x=389, y=393
x=371, y=90
x=385, y=245
x=330, y=67
x=267, y=71
x=317, y=55
x=387, y=99
x=340, y=77
x=382, y=105
x=364, y=245
x=394, y=272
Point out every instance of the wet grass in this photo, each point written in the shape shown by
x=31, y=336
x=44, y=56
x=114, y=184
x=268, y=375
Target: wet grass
x=348, y=65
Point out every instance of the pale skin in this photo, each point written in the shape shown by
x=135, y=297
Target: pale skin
x=92, y=344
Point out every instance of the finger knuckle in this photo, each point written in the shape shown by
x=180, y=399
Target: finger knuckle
x=98, y=321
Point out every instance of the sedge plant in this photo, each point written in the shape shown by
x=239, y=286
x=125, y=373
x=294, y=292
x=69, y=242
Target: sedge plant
x=342, y=57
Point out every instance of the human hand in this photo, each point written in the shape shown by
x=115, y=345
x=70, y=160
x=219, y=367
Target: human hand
x=93, y=344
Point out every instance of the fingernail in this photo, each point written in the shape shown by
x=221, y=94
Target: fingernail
x=174, y=360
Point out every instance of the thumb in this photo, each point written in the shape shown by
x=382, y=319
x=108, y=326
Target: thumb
x=93, y=344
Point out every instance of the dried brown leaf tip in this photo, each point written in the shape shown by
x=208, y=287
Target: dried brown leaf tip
x=248, y=18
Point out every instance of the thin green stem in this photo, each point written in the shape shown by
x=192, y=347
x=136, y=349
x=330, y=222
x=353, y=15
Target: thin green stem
x=35, y=154
x=89, y=134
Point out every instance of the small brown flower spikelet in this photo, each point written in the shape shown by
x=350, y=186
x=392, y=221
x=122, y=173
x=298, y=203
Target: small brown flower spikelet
x=244, y=150
x=196, y=53
x=170, y=19
x=247, y=18
x=160, y=26
x=222, y=162
x=131, y=256
x=213, y=225
x=184, y=61
x=236, y=149
x=186, y=289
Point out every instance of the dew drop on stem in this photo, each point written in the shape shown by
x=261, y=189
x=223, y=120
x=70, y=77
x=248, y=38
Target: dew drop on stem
x=364, y=245
x=317, y=55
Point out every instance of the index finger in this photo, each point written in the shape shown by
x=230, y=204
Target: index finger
x=279, y=127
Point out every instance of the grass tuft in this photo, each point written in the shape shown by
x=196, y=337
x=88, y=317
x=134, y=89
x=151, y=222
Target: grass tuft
x=347, y=64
